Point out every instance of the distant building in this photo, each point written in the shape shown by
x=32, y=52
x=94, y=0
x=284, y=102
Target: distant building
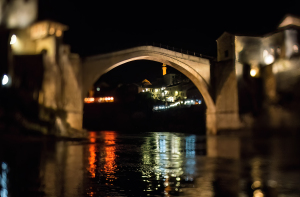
x=170, y=88
x=266, y=66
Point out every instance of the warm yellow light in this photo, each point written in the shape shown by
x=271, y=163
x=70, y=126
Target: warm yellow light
x=156, y=90
x=13, y=39
x=253, y=72
x=269, y=59
x=51, y=31
x=58, y=33
x=89, y=100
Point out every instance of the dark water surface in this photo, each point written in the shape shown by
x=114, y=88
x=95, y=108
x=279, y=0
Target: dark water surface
x=150, y=164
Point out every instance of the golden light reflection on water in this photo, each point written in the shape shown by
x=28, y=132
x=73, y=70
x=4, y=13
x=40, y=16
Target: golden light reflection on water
x=92, y=156
x=110, y=149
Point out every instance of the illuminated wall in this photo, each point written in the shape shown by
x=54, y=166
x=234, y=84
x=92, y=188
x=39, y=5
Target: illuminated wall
x=18, y=13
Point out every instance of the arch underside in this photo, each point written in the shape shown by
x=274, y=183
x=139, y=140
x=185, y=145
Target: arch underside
x=95, y=68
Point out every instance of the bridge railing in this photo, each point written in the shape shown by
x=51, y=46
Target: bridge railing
x=180, y=50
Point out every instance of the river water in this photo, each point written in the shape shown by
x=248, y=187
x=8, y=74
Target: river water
x=111, y=163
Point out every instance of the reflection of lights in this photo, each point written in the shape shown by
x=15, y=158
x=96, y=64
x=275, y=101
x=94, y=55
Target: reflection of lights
x=269, y=59
x=92, y=157
x=110, y=165
x=253, y=72
x=5, y=80
x=13, y=39
x=3, y=182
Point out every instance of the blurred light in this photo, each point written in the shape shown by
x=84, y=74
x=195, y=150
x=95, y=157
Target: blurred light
x=13, y=39
x=278, y=50
x=258, y=193
x=295, y=48
x=58, y=33
x=143, y=90
x=98, y=89
x=272, y=183
x=156, y=90
x=146, y=89
x=253, y=72
x=3, y=182
x=269, y=59
x=256, y=184
x=265, y=53
x=89, y=100
x=5, y=80
x=51, y=31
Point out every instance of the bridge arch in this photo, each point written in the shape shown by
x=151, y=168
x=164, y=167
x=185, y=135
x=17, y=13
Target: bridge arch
x=94, y=67
x=197, y=69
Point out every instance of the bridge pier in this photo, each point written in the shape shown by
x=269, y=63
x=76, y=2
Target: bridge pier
x=218, y=121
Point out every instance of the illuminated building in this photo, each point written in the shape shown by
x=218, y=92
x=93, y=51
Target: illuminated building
x=263, y=64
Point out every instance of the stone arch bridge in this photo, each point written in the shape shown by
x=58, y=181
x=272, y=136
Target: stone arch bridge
x=217, y=84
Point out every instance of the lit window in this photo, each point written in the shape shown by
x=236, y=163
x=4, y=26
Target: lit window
x=58, y=33
x=51, y=31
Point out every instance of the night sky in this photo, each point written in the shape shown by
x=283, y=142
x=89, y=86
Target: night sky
x=97, y=27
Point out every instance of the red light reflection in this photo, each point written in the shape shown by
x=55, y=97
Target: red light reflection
x=110, y=165
x=92, y=157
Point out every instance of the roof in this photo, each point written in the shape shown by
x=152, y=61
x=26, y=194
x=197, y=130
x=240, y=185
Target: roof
x=290, y=20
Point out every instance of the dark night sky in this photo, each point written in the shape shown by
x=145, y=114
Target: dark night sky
x=96, y=27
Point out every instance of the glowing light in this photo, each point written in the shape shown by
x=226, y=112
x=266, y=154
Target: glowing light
x=89, y=100
x=146, y=89
x=5, y=80
x=253, y=72
x=269, y=59
x=258, y=193
x=13, y=39
x=143, y=90
x=296, y=48
x=98, y=89
x=265, y=53
x=156, y=90
x=256, y=184
x=51, y=31
x=58, y=33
